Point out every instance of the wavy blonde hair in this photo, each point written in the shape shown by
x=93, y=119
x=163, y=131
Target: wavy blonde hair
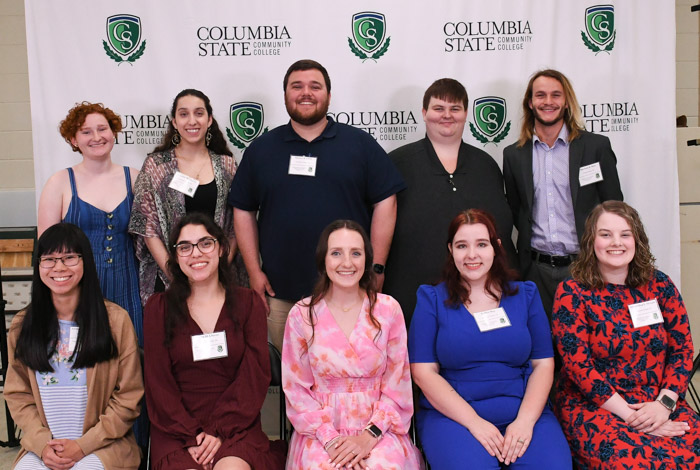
x=572, y=113
x=641, y=269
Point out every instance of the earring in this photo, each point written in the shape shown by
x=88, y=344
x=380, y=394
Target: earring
x=208, y=137
x=175, y=139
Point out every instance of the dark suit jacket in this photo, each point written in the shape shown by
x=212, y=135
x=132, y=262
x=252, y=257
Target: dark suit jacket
x=520, y=190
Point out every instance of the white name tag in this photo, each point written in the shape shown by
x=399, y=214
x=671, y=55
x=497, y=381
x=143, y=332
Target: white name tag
x=590, y=174
x=491, y=319
x=301, y=165
x=73, y=339
x=645, y=313
x=209, y=346
x=183, y=183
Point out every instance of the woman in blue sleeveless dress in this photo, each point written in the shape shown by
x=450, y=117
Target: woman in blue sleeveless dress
x=96, y=195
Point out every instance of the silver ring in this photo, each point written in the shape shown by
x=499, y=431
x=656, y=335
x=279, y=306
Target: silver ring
x=521, y=441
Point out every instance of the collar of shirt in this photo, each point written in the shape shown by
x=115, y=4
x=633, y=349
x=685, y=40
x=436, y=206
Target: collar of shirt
x=563, y=137
x=328, y=133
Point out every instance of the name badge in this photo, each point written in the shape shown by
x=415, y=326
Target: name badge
x=590, y=174
x=209, y=346
x=645, y=313
x=183, y=183
x=492, y=319
x=302, y=166
x=73, y=339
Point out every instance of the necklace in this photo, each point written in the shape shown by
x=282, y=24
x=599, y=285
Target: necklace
x=344, y=309
x=201, y=167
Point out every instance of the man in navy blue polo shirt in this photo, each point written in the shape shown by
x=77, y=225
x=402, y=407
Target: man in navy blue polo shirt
x=297, y=179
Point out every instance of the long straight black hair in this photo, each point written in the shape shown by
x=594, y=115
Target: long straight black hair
x=39, y=335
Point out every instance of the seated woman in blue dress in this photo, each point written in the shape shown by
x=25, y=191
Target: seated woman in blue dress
x=481, y=353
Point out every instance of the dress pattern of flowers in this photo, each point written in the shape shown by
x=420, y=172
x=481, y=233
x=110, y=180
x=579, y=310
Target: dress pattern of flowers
x=339, y=384
x=603, y=353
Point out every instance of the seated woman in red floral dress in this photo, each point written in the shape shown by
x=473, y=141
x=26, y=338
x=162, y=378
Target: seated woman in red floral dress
x=623, y=333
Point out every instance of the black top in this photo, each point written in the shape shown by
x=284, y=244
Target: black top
x=425, y=209
x=204, y=199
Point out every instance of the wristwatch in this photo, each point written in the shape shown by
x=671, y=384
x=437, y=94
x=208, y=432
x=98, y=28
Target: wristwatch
x=374, y=430
x=668, y=402
x=378, y=268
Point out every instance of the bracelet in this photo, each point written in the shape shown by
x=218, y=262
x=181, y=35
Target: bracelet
x=331, y=442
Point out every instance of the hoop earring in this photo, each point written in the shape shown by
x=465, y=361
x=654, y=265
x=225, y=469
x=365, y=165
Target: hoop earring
x=175, y=139
x=208, y=138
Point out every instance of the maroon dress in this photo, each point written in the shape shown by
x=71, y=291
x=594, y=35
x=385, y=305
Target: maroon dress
x=221, y=397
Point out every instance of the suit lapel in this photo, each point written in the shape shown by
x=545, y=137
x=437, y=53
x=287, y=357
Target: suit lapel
x=575, y=157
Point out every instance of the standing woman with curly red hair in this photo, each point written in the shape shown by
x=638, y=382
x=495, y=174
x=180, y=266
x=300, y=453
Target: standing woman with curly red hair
x=96, y=195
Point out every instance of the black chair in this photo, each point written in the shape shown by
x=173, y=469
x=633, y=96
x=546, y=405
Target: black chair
x=276, y=381
x=692, y=391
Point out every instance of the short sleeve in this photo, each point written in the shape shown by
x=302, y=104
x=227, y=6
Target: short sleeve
x=422, y=335
x=383, y=178
x=537, y=323
x=242, y=195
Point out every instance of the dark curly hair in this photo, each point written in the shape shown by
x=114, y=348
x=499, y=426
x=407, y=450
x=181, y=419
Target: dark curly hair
x=76, y=118
x=217, y=144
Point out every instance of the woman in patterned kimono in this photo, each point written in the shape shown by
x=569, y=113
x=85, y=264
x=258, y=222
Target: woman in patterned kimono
x=73, y=384
x=345, y=367
x=623, y=334
x=190, y=171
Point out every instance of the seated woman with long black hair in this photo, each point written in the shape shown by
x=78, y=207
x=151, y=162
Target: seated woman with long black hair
x=74, y=383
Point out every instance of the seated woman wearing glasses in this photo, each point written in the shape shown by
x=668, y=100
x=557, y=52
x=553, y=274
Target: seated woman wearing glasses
x=206, y=359
x=73, y=384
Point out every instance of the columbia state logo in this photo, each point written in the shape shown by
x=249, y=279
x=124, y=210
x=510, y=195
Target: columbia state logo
x=246, y=119
x=600, y=28
x=490, y=118
x=124, y=36
x=369, y=39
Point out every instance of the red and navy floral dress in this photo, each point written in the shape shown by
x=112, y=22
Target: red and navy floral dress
x=602, y=354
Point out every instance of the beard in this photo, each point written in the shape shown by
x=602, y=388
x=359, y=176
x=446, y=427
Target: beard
x=552, y=122
x=307, y=119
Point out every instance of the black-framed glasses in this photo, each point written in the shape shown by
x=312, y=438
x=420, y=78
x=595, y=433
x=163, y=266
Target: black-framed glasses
x=204, y=245
x=67, y=260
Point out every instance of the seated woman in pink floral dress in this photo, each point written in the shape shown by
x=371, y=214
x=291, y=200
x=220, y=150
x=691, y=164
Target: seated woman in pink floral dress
x=345, y=369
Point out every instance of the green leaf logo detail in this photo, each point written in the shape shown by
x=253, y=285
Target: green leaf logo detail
x=123, y=38
x=246, y=119
x=369, y=39
x=600, y=28
x=489, y=114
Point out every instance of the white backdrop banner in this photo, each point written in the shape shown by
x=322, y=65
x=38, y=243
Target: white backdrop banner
x=136, y=56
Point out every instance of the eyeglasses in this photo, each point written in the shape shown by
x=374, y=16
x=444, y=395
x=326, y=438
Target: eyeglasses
x=205, y=245
x=68, y=261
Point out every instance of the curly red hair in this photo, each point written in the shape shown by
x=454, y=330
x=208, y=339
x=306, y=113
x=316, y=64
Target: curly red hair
x=76, y=118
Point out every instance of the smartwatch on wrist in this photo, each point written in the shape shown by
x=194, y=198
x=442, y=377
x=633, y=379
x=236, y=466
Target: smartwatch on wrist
x=668, y=402
x=374, y=430
x=378, y=268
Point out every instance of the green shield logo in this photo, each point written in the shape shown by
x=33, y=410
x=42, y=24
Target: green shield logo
x=368, y=30
x=124, y=33
x=600, y=23
x=490, y=114
x=247, y=120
